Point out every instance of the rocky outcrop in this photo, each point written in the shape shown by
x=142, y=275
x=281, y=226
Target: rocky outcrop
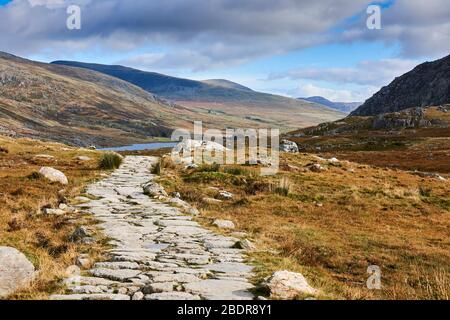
x=411, y=118
x=16, y=271
x=427, y=85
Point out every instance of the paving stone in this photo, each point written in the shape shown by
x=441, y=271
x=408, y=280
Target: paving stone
x=221, y=289
x=118, y=275
x=171, y=296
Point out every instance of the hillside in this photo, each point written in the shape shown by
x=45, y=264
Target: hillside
x=78, y=106
x=231, y=101
x=226, y=84
x=426, y=85
x=412, y=139
x=345, y=107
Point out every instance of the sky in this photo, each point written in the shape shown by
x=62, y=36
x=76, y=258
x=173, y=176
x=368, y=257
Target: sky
x=297, y=48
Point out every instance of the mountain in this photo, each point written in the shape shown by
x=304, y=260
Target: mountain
x=426, y=85
x=79, y=106
x=234, y=103
x=226, y=84
x=345, y=107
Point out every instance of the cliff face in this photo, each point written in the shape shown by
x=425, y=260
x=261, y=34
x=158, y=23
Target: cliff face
x=426, y=85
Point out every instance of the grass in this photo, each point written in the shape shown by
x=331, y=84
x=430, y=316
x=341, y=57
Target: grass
x=110, y=161
x=23, y=194
x=332, y=225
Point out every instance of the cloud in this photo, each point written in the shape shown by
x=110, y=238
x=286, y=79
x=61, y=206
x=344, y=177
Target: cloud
x=337, y=95
x=421, y=28
x=366, y=73
x=219, y=32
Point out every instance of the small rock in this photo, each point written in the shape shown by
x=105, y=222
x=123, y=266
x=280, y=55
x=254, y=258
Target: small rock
x=82, y=199
x=316, y=168
x=159, y=287
x=288, y=146
x=333, y=160
x=15, y=271
x=225, y=195
x=79, y=233
x=224, y=224
x=154, y=190
x=56, y=212
x=138, y=296
x=53, y=175
x=246, y=245
x=83, y=262
x=212, y=201
x=44, y=156
x=287, y=285
x=72, y=271
x=176, y=195
x=83, y=158
x=193, y=211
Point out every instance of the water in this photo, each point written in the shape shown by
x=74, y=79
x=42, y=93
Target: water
x=143, y=146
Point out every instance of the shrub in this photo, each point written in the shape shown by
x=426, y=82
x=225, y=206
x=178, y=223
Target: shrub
x=284, y=188
x=235, y=171
x=110, y=160
x=256, y=185
x=156, y=168
x=208, y=168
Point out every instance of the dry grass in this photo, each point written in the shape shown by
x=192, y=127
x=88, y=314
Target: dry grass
x=332, y=225
x=42, y=238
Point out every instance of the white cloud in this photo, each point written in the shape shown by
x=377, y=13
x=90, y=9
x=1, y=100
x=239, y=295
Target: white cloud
x=421, y=28
x=372, y=73
x=337, y=95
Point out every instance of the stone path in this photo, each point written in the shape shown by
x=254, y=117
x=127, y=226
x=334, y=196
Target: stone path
x=159, y=253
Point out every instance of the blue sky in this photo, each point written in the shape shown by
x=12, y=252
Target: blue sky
x=294, y=47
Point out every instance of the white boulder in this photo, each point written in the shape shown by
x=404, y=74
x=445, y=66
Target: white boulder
x=16, y=271
x=53, y=175
x=286, y=285
x=224, y=224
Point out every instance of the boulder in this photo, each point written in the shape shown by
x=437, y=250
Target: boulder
x=246, y=245
x=224, y=224
x=225, y=195
x=288, y=146
x=16, y=271
x=53, y=175
x=287, y=285
x=79, y=234
x=316, y=168
x=83, y=158
x=154, y=190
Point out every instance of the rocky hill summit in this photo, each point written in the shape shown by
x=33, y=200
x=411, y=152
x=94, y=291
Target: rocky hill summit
x=426, y=85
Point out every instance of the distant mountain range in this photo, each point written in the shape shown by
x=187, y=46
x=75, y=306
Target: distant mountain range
x=345, y=107
x=426, y=85
x=84, y=107
x=236, y=105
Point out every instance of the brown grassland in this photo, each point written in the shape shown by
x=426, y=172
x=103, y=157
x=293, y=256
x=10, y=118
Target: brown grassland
x=332, y=225
x=42, y=238
x=328, y=225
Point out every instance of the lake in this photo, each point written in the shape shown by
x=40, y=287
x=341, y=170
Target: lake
x=142, y=146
